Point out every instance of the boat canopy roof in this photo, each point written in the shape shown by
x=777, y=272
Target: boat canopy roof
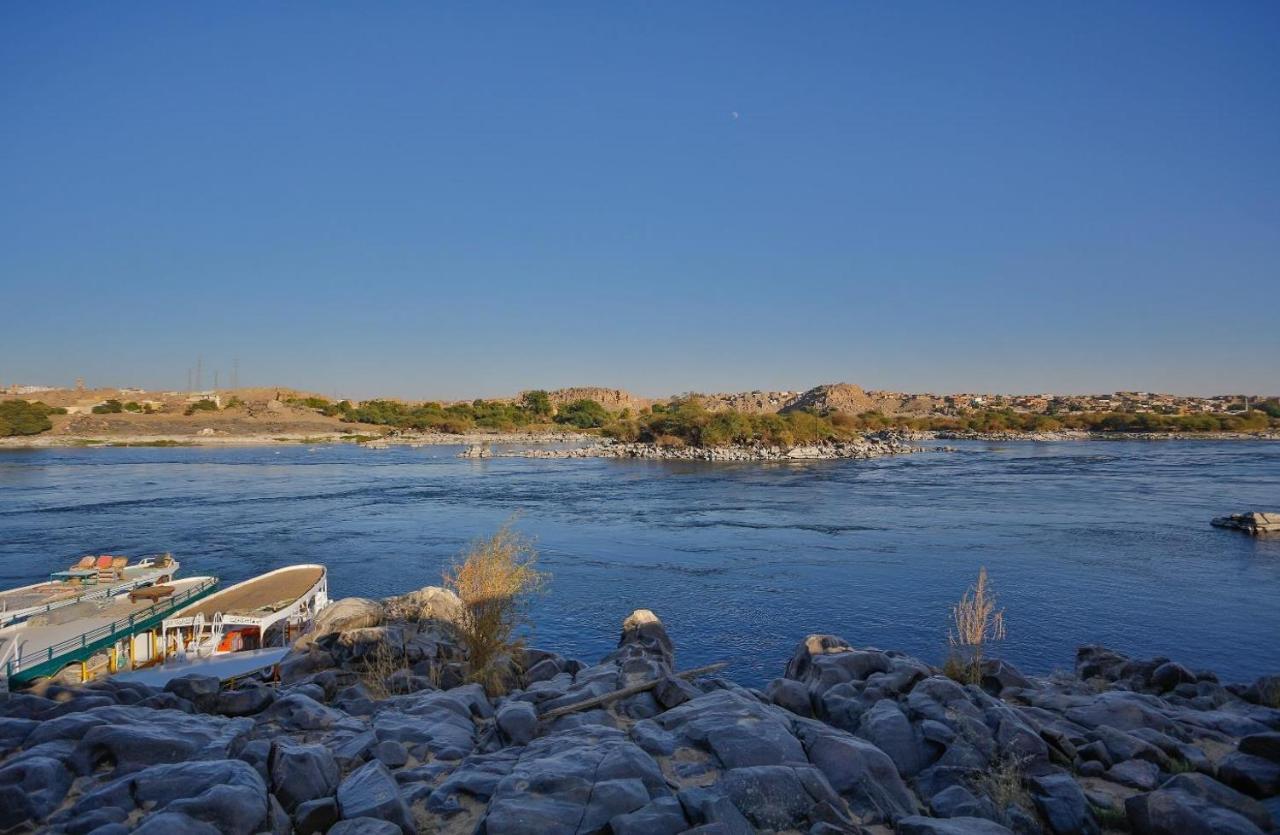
x=260, y=599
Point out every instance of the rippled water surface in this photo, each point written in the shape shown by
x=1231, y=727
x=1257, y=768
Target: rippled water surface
x=1087, y=542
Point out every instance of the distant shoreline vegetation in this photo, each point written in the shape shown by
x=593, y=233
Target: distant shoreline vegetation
x=687, y=422
x=20, y=417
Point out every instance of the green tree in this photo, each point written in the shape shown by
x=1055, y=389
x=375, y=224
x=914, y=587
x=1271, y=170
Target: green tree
x=538, y=402
x=18, y=417
x=111, y=407
x=584, y=414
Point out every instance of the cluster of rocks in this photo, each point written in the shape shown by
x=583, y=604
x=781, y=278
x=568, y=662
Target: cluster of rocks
x=1253, y=522
x=1086, y=435
x=422, y=439
x=874, y=445
x=848, y=740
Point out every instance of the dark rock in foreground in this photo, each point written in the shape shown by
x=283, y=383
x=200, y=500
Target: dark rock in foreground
x=373, y=729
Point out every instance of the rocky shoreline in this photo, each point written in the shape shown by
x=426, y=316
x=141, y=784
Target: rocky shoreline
x=1082, y=435
x=847, y=740
x=600, y=448
x=874, y=445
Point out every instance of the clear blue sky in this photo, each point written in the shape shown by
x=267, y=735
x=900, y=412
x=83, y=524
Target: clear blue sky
x=462, y=199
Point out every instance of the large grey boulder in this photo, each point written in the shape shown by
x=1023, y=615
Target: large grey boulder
x=430, y=603
x=860, y=772
x=518, y=722
x=713, y=813
x=245, y=701
x=201, y=691
x=1062, y=803
x=300, y=773
x=31, y=788
x=584, y=776
x=1138, y=774
x=227, y=794
x=887, y=727
x=131, y=738
x=365, y=826
x=347, y=613
x=316, y=816
x=917, y=825
x=1196, y=803
x=1255, y=776
x=778, y=797
x=371, y=792
x=1265, y=745
x=663, y=816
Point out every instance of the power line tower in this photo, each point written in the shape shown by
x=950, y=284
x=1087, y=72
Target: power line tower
x=199, y=373
x=79, y=383
x=235, y=373
x=215, y=379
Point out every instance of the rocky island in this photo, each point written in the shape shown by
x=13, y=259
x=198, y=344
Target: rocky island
x=372, y=728
x=870, y=445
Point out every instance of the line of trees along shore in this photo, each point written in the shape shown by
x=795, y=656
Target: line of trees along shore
x=686, y=421
x=20, y=417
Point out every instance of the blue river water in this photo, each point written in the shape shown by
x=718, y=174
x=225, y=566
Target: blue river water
x=1104, y=542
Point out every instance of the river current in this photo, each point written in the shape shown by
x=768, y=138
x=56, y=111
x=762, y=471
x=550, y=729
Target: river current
x=1086, y=542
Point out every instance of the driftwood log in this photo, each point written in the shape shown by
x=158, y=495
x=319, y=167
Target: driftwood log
x=596, y=701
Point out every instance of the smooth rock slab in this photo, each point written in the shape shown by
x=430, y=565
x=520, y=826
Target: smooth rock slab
x=860, y=772
x=1196, y=803
x=371, y=792
x=227, y=793
x=518, y=722
x=1252, y=775
x=887, y=727
x=916, y=825
x=552, y=787
x=663, y=816
x=1062, y=803
x=1137, y=774
x=777, y=796
x=300, y=773
x=30, y=789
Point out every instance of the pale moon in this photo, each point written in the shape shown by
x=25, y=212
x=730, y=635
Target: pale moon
x=734, y=114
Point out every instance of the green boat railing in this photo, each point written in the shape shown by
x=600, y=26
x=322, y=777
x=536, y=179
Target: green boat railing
x=24, y=666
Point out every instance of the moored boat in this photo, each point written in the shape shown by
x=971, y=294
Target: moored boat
x=92, y=578
x=269, y=610
x=97, y=635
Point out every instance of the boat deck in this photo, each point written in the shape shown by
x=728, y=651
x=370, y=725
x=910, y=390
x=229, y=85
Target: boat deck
x=225, y=667
x=260, y=596
x=76, y=628
x=56, y=592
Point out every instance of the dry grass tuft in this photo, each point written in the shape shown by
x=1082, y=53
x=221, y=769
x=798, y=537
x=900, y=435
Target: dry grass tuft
x=495, y=579
x=1002, y=782
x=976, y=619
x=377, y=667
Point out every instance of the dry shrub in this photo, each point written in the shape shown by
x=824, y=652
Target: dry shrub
x=1002, y=782
x=494, y=579
x=377, y=667
x=975, y=621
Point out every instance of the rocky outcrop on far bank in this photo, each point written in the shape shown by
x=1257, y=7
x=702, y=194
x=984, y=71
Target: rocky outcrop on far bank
x=373, y=729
